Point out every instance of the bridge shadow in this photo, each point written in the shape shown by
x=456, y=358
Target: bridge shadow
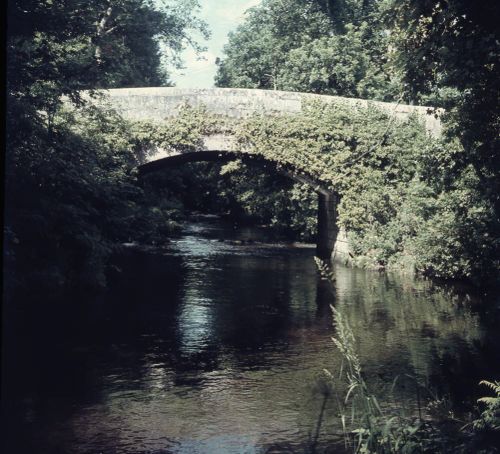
x=327, y=232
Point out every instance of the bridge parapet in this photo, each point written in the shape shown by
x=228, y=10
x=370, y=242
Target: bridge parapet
x=158, y=103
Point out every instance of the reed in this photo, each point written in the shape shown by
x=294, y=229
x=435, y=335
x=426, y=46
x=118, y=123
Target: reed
x=366, y=427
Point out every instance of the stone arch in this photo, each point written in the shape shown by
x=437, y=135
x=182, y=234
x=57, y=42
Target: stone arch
x=159, y=103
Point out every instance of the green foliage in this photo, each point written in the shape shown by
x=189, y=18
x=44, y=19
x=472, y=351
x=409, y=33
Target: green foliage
x=244, y=192
x=257, y=51
x=55, y=48
x=449, y=53
x=300, y=46
x=71, y=196
x=457, y=239
x=323, y=139
x=337, y=65
x=285, y=206
x=490, y=417
x=453, y=48
x=69, y=207
x=182, y=133
x=372, y=166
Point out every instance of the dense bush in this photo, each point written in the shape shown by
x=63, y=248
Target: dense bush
x=71, y=196
x=71, y=205
x=244, y=193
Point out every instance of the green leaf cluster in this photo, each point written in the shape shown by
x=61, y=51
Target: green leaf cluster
x=305, y=46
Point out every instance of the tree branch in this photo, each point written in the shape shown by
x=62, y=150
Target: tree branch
x=101, y=31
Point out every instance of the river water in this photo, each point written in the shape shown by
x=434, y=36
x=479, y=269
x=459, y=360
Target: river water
x=217, y=344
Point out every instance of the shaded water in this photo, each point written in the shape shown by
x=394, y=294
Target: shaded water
x=212, y=346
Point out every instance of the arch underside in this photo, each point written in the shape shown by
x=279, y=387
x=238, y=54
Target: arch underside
x=226, y=156
x=327, y=199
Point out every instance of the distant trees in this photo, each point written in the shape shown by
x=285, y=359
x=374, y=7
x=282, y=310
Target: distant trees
x=258, y=49
x=67, y=46
x=314, y=47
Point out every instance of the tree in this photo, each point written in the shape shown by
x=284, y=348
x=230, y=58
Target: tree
x=130, y=33
x=257, y=51
x=338, y=49
x=71, y=194
x=61, y=47
x=450, y=53
x=341, y=65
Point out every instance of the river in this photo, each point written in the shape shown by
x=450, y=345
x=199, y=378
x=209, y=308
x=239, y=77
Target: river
x=217, y=342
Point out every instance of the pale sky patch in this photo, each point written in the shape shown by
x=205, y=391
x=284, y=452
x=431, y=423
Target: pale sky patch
x=222, y=17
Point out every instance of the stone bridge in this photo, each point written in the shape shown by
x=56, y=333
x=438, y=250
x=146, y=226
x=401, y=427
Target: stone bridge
x=157, y=104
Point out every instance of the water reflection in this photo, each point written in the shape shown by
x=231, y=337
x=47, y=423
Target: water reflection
x=215, y=344
x=195, y=324
x=412, y=327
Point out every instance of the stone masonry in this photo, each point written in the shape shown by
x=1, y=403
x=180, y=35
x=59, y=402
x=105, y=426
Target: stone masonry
x=156, y=104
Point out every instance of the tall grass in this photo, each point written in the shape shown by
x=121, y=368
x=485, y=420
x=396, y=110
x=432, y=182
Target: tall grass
x=368, y=428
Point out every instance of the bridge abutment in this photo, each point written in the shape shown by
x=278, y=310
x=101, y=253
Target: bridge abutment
x=327, y=225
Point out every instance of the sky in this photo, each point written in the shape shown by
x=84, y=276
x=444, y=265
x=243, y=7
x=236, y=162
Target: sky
x=222, y=16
